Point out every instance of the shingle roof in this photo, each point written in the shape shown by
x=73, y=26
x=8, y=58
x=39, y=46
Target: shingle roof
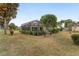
x=32, y=23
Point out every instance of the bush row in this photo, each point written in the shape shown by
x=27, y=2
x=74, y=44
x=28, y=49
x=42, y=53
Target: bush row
x=56, y=30
x=32, y=32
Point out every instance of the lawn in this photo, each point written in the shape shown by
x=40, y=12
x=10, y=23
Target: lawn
x=27, y=45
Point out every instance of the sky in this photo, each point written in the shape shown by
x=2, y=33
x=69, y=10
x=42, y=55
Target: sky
x=33, y=11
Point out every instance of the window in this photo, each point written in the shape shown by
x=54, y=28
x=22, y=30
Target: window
x=34, y=28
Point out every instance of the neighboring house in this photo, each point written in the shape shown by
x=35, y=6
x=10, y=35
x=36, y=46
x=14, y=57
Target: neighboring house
x=32, y=26
x=75, y=27
x=63, y=25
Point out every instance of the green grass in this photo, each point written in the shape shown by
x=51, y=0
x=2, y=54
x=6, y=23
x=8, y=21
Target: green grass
x=24, y=45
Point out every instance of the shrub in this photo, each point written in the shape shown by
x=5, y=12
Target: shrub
x=55, y=30
x=12, y=26
x=32, y=32
x=75, y=38
x=23, y=31
x=11, y=32
x=60, y=29
x=37, y=33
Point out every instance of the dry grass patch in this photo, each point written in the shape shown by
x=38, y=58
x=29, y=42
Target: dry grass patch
x=20, y=44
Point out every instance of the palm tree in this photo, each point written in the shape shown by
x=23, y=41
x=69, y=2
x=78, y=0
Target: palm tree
x=8, y=11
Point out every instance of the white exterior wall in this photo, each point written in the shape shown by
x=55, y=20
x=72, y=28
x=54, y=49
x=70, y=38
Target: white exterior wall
x=63, y=25
x=75, y=28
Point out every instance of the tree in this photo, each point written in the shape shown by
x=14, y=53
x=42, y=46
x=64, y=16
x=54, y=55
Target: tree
x=8, y=11
x=49, y=21
x=12, y=26
x=68, y=24
x=1, y=23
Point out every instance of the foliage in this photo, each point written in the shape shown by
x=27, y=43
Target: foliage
x=8, y=11
x=68, y=24
x=75, y=38
x=12, y=26
x=32, y=32
x=11, y=32
x=49, y=20
x=54, y=30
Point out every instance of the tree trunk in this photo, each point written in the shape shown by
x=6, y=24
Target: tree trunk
x=5, y=26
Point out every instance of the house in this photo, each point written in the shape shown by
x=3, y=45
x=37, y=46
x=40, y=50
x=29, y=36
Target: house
x=75, y=27
x=34, y=25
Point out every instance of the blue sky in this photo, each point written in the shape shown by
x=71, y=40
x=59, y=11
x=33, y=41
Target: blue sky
x=33, y=11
